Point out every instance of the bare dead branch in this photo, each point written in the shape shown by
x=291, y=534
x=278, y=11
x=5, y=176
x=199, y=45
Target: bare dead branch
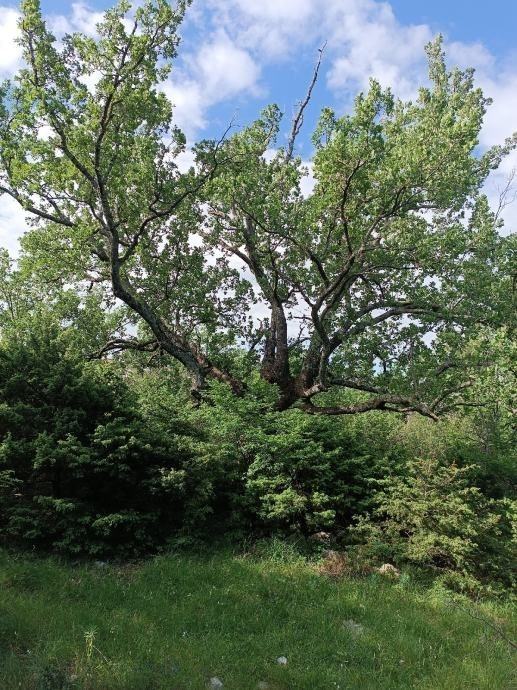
x=298, y=118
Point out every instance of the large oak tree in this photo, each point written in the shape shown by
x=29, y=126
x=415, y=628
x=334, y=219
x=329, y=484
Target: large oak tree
x=372, y=282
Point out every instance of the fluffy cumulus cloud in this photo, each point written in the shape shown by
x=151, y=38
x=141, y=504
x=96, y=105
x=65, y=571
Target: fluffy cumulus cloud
x=225, y=69
x=363, y=37
x=272, y=28
x=368, y=41
x=81, y=18
x=500, y=119
x=10, y=54
x=219, y=71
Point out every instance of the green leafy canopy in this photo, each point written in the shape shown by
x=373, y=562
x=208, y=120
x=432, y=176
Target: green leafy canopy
x=374, y=283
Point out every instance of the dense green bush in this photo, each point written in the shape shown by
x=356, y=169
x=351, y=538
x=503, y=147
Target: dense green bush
x=80, y=470
x=280, y=472
x=309, y=476
x=480, y=439
x=431, y=516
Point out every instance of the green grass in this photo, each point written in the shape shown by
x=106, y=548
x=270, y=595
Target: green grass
x=178, y=620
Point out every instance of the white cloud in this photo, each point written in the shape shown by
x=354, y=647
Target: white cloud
x=363, y=37
x=11, y=53
x=225, y=69
x=470, y=55
x=367, y=41
x=220, y=70
x=504, y=184
x=267, y=26
x=82, y=19
x=274, y=11
x=189, y=105
x=185, y=160
x=91, y=80
x=500, y=119
x=12, y=224
x=499, y=123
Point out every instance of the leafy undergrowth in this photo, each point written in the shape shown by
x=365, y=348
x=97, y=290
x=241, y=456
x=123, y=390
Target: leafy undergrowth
x=176, y=621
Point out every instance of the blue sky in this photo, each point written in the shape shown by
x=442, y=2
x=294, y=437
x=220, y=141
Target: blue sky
x=467, y=20
x=492, y=22
x=238, y=55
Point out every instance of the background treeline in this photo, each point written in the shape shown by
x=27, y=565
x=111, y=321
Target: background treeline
x=111, y=458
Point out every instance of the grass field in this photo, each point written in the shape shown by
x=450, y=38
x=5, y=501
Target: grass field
x=176, y=621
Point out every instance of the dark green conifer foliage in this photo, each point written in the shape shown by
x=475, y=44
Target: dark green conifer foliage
x=80, y=473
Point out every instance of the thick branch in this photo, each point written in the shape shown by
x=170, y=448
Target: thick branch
x=59, y=219
x=391, y=403
x=121, y=344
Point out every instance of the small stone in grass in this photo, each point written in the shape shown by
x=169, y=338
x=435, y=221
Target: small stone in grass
x=389, y=570
x=282, y=661
x=322, y=537
x=262, y=685
x=215, y=683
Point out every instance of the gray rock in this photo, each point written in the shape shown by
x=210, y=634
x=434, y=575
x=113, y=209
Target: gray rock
x=101, y=564
x=262, y=685
x=282, y=661
x=215, y=683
